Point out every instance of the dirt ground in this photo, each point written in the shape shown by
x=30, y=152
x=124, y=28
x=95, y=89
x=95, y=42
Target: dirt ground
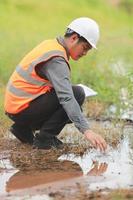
x=38, y=172
x=37, y=167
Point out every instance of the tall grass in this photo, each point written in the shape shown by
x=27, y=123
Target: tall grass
x=24, y=24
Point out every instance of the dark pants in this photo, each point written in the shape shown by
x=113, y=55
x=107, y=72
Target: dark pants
x=45, y=114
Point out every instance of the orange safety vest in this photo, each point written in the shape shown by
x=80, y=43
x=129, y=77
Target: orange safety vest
x=25, y=85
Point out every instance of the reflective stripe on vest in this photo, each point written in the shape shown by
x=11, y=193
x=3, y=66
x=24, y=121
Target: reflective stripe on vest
x=21, y=93
x=25, y=84
x=26, y=74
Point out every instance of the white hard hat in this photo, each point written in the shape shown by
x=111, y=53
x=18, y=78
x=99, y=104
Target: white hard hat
x=86, y=28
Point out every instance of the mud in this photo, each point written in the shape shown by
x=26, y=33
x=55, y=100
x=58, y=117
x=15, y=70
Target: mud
x=78, y=171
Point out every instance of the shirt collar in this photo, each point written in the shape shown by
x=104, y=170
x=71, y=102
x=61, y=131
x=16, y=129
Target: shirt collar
x=61, y=41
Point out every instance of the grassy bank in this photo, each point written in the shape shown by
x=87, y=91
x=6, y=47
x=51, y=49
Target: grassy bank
x=24, y=24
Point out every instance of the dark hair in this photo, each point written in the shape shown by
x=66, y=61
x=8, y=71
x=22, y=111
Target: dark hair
x=70, y=32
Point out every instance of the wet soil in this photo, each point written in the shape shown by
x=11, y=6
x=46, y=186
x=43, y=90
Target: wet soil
x=77, y=171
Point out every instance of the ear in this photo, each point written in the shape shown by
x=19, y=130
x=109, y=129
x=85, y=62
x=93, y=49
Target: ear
x=74, y=38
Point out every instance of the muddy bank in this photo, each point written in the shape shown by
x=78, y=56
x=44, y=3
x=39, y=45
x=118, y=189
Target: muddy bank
x=77, y=171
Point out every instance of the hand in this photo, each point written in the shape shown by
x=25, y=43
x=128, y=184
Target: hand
x=98, y=169
x=96, y=140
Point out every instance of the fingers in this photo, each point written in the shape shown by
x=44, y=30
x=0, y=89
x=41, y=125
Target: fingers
x=98, y=169
x=99, y=143
x=93, y=171
x=96, y=140
x=102, y=168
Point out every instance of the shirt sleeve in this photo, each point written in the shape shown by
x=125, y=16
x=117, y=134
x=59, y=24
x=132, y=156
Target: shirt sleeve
x=57, y=72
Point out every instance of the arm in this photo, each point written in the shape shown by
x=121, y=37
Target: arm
x=57, y=72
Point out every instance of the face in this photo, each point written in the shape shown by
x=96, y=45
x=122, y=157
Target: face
x=79, y=49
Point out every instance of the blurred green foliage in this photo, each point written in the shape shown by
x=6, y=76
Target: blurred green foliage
x=24, y=24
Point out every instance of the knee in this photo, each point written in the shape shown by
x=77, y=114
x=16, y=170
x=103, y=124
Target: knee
x=79, y=94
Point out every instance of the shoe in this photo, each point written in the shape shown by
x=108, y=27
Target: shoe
x=22, y=135
x=57, y=141
x=47, y=142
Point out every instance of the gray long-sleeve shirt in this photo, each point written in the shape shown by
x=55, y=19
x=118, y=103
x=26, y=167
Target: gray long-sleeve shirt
x=57, y=72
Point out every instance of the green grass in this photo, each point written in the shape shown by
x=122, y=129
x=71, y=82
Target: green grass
x=24, y=24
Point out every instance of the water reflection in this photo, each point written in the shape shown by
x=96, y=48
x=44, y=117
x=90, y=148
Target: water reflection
x=116, y=166
x=12, y=180
x=98, y=169
x=113, y=169
x=4, y=177
x=22, y=180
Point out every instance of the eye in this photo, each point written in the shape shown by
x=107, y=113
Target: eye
x=85, y=48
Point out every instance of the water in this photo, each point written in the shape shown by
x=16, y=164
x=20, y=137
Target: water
x=113, y=169
x=115, y=166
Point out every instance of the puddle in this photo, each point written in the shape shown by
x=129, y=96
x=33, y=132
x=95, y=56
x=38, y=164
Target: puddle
x=94, y=170
x=6, y=171
x=116, y=166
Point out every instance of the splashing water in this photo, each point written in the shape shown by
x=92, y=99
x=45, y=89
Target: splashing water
x=115, y=166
